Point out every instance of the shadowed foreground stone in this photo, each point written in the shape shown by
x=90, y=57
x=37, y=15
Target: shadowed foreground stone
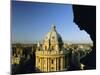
x=85, y=18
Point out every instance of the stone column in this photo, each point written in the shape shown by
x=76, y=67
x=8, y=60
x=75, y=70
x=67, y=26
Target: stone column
x=36, y=62
x=64, y=62
x=48, y=64
x=61, y=63
x=57, y=64
x=41, y=61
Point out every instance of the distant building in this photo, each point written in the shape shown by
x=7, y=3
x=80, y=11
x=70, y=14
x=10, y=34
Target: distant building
x=51, y=56
x=17, y=55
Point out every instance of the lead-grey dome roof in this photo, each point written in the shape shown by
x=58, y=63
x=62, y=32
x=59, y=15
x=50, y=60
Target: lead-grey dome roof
x=53, y=35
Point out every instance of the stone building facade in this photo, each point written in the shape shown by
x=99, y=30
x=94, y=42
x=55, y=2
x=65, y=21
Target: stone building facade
x=51, y=55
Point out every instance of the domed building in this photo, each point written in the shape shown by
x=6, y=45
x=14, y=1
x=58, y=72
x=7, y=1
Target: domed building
x=51, y=55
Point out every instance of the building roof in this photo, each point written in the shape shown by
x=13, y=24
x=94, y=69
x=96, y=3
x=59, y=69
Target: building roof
x=53, y=35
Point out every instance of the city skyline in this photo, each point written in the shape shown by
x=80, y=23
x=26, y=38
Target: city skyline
x=31, y=21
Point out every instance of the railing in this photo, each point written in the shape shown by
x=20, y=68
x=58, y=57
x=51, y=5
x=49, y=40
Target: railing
x=50, y=52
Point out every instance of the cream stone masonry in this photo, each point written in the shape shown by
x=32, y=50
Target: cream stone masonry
x=51, y=55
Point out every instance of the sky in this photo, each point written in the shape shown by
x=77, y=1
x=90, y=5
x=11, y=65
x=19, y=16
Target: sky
x=31, y=21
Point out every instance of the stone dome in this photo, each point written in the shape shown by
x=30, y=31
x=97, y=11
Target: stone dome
x=53, y=35
x=51, y=54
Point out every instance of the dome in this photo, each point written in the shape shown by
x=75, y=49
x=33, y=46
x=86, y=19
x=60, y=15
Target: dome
x=53, y=36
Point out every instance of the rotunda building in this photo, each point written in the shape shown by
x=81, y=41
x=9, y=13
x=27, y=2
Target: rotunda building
x=51, y=55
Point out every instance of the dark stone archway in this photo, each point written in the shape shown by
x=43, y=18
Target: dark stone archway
x=85, y=18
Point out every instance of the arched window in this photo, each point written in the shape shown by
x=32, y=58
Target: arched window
x=53, y=37
x=52, y=68
x=52, y=61
x=45, y=47
x=52, y=47
x=39, y=60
